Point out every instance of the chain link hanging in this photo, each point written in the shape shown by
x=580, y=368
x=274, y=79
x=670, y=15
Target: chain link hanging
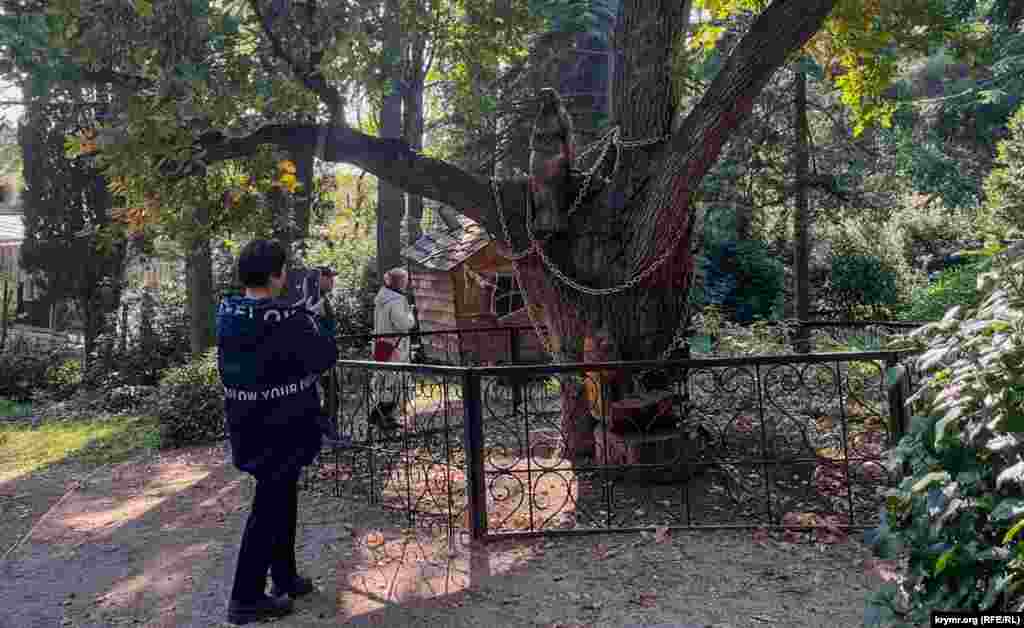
x=612, y=138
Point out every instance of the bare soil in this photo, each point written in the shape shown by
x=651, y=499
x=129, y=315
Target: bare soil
x=153, y=543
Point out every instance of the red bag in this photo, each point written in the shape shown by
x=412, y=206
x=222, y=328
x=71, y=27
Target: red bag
x=382, y=350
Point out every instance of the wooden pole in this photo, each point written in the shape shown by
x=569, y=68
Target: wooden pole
x=3, y=317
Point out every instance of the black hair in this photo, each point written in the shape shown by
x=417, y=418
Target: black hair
x=258, y=261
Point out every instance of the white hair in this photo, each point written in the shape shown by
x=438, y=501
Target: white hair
x=394, y=274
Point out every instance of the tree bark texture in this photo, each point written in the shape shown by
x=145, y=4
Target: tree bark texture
x=199, y=266
x=390, y=197
x=801, y=213
x=413, y=123
x=302, y=200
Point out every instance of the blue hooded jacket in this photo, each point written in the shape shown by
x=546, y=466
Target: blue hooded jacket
x=270, y=357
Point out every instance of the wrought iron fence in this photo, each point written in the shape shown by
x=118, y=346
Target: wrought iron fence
x=464, y=347
x=792, y=440
x=520, y=345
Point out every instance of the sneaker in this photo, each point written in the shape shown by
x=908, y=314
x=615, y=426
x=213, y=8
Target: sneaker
x=241, y=613
x=299, y=587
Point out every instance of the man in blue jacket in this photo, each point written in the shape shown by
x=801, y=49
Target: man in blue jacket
x=270, y=356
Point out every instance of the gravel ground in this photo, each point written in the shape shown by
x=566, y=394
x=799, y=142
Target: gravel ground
x=154, y=544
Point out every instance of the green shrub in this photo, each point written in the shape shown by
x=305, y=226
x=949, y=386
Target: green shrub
x=64, y=378
x=744, y=278
x=957, y=515
x=954, y=286
x=23, y=370
x=190, y=403
x=160, y=342
x=861, y=281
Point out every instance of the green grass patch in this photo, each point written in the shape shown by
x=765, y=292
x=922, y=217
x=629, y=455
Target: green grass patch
x=94, y=441
x=10, y=408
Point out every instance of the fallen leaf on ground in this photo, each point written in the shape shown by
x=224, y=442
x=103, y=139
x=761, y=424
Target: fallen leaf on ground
x=760, y=535
x=887, y=570
x=661, y=535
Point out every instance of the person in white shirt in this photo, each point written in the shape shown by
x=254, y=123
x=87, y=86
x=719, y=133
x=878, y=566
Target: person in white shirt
x=392, y=314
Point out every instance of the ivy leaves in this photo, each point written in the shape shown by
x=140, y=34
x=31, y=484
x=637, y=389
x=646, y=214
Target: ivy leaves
x=959, y=513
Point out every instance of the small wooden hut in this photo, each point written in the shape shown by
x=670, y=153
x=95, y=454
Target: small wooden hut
x=461, y=282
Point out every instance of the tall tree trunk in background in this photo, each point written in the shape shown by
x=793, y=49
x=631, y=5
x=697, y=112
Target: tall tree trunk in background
x=391, y=199
x=412, y=123
x=801, y=214
x=302, y=200
x=280, y=211
x=199, y=267
x=744, y=210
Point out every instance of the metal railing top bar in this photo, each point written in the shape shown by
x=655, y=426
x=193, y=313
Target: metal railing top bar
x=437, y=332
x=529, y=328
x=753, y=360
x=406, y=367
x=639, y=365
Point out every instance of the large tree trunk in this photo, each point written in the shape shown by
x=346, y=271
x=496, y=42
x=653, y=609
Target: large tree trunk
x=801, y=213
x=390, y=198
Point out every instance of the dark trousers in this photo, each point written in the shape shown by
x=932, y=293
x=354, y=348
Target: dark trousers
x=268, y=542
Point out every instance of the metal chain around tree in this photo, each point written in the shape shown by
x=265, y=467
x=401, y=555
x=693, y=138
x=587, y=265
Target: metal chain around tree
x=611, y=138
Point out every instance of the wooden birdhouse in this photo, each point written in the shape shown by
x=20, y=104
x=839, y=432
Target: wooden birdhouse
x=460, y=281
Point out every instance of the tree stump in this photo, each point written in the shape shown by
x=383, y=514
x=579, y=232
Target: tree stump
x=642, y=430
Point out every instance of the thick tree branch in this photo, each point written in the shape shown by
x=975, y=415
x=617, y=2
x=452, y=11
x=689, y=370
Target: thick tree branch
x=108, y=76
x=779, y=31
x=388, y=159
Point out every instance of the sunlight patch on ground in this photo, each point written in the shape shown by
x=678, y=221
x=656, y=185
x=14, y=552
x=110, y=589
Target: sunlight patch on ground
x=417, y=567
x=147, y=494
x=165, y=575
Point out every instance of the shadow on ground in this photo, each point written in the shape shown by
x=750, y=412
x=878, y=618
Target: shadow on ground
x=153, y=543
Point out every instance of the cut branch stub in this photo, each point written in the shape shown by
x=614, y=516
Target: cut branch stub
x=551, y=156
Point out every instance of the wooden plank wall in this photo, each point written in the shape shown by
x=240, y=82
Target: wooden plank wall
x=435, y=307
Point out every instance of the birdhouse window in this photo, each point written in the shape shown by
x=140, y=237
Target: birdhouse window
x=507, y=298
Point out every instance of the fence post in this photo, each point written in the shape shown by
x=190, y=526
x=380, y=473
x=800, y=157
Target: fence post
x=517, y=388
x=474, y=438
x=3, y=317
x=896, y=382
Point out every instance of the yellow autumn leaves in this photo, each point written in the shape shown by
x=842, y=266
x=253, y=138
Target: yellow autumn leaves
x=137, y=217
x=286, y=176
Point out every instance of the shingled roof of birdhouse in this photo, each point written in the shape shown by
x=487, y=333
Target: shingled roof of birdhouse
x=443, y=250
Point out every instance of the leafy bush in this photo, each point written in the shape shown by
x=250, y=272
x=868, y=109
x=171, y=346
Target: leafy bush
x=64, y=378
x=743, y=277
x=957, y=515
x=719, y=337
x=861, y=280
x=954, y=286
x=190, y=403
x=160, y=342
x=23, y=370
x=1003, y=213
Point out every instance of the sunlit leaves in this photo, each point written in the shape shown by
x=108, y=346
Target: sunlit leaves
x=862, y=45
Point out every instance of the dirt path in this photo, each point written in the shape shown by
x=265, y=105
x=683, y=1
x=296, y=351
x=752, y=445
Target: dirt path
x=153, y=544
